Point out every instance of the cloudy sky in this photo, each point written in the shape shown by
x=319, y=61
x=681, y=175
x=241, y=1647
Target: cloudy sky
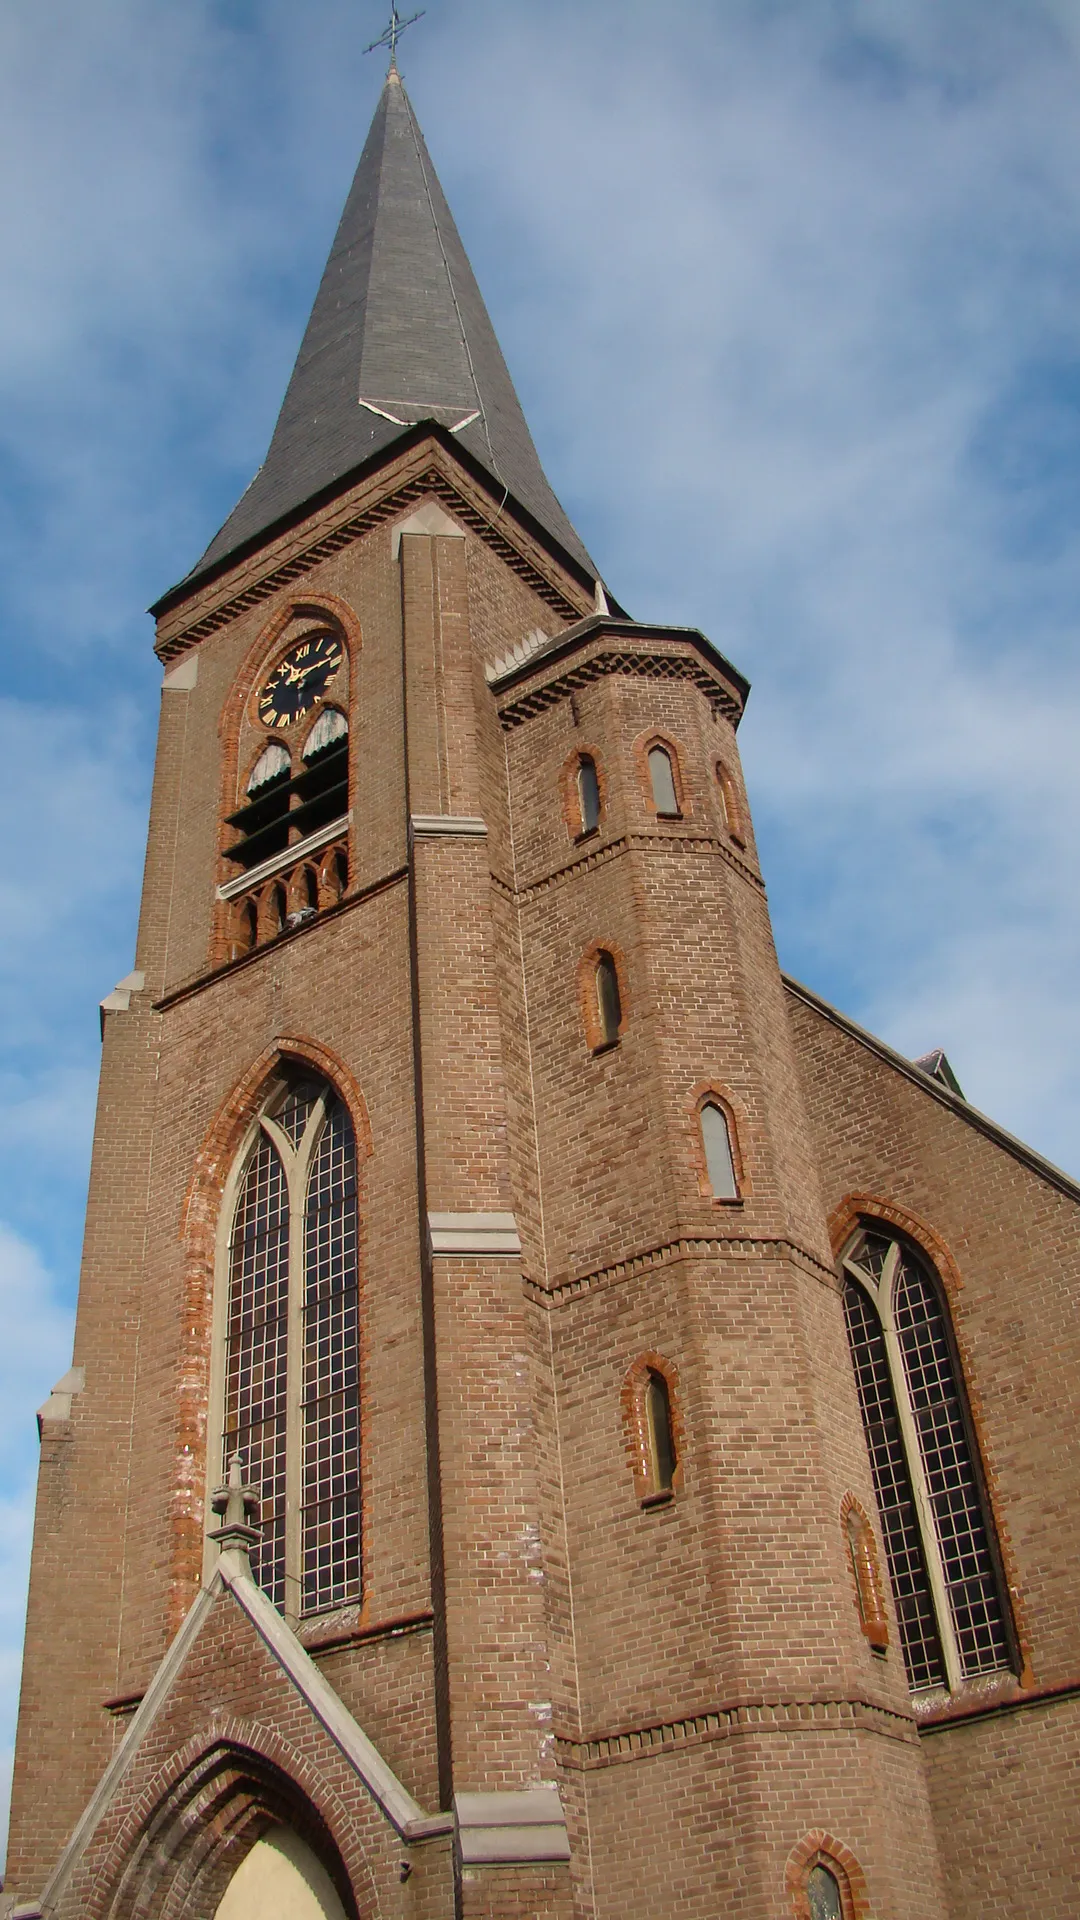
x=791, y=291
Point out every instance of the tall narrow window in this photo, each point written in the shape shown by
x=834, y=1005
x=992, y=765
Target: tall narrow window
x=292, y=1348
x=662, y=776
x=608, y=1000
x=823, y=1895
x=719, y=1159
x=588, y=786
x=661, y=1440
x=938, y=1536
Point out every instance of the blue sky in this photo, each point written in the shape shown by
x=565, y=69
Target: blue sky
x=791, y=292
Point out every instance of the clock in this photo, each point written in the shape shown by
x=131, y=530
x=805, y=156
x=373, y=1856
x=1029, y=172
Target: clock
x=300, y=680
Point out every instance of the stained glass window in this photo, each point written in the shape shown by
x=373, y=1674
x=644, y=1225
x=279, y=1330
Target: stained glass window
x=823, y=1894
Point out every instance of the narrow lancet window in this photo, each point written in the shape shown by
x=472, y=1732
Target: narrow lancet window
x=608, y=1000
x=823, y=1895
x=662, y=776
x=588, y=786
x=662, y=1458
x=331, y=1392
x=719, y=1159
x=256, y=1353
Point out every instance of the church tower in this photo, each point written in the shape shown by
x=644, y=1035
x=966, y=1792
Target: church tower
x=460, y=1503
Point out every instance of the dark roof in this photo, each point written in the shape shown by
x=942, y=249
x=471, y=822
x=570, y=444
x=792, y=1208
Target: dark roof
x=398, y=325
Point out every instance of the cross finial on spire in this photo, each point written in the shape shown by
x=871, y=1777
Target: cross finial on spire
x=392, y=34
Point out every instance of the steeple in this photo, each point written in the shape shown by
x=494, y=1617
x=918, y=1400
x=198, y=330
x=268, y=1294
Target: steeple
x=398, y=334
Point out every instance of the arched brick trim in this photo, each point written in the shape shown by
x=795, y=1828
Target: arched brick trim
x=860, y=1542
x=822, y=1849
x=195, y=1821
x=569, y=794
x=258, y=658
x=642, y=747
x=705, y=1094
x=202, y=1204
x=858, y=1208
x=732, y=803
x=636, y=1426
x=586, y=982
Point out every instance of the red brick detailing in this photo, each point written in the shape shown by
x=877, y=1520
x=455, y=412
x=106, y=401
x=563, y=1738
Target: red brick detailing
x=821, y=1849
x=641, y=749
x=636, y=1423
x=732, y=804
x=860, y=1543
x=707, y=1093
x=570, y=797
x=587, y=1001
x=857, y=1207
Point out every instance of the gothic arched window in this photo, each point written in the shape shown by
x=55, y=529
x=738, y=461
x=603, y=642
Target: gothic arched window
x=662, y=779
x=608, y=1000
x=659, y=1431
x=588, y=793
x=935, y=1521
x=719, y=1158
x=291, y=1388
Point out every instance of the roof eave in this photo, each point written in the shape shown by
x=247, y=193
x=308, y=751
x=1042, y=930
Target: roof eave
x=382, y=457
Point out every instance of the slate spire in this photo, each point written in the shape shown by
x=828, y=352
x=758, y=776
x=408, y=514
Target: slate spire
x=398, y=334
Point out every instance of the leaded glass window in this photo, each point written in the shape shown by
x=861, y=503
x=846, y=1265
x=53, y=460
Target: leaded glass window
x=823, y=1895
x=939, y=1540
x=291, y=1386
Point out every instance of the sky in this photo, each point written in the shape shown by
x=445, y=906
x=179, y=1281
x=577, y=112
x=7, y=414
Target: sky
x=791, y=293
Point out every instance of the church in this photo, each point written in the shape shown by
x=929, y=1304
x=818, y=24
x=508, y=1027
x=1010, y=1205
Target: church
x=563, y=1423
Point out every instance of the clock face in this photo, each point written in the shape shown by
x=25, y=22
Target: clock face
x=300, y=680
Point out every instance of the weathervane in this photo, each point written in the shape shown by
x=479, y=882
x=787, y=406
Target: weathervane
x=394, y=31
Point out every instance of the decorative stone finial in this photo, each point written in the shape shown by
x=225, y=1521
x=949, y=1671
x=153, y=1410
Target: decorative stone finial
x=240, y=1506
x=601, y=603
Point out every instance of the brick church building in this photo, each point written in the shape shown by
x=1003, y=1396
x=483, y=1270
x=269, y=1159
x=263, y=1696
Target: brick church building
x=563, y=1422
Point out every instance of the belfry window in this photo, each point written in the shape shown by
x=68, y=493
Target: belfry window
x=939, y=1540
x=291, y=1388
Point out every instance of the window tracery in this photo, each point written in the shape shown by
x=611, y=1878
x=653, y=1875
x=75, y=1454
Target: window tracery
x=291, y=1363
x=939, y=1540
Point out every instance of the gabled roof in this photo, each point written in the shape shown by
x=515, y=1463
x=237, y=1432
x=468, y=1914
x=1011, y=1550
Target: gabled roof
x=398, y=334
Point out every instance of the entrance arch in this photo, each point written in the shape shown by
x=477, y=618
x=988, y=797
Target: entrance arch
x=280, y=1875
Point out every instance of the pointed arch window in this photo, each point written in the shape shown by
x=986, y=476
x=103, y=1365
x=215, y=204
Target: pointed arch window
x=719, y=1157
x=588, y=790
x=608, y=1000
x=660, y=1433
x=291, y=1363
x=935, y=1521
x=662, y=777
x=823, y=1894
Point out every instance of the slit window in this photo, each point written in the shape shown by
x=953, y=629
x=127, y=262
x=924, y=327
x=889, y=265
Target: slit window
x=662, y=1457
x=719, y=1159
x=935, y=1522
x=608, y=1000
x=662, y=777
x=588, y=786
